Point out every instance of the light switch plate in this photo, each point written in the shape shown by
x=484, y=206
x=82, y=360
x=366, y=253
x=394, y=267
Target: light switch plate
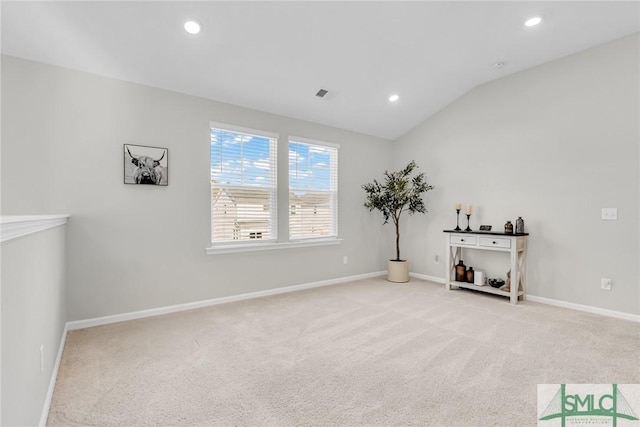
x=610, y=214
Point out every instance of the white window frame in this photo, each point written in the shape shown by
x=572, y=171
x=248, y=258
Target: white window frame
x=222, y=246
x=333, y=191
x=274, y=243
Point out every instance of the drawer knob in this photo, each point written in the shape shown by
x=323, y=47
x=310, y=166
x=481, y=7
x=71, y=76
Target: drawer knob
x=462, y=240
x=494, y=242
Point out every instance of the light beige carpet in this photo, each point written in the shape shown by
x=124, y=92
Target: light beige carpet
x=366, y=353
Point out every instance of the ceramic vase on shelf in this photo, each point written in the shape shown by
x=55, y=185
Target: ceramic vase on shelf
x=461, y=272
x=519, y=225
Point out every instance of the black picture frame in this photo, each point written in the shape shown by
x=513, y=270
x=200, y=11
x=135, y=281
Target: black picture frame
x=146, y=165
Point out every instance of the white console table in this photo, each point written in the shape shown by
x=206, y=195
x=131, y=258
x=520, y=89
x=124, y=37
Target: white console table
x=515, y=244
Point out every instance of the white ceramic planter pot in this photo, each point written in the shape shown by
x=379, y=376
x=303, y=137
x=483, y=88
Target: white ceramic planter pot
x=398, y=271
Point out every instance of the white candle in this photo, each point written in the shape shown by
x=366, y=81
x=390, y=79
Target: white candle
x=458, y=206
x=469, y=209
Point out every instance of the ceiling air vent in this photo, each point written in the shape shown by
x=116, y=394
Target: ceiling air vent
x=321, y=93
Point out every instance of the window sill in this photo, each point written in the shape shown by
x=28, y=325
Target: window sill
x=252, y=247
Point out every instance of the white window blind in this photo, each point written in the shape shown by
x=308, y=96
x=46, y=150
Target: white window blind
x=243, y=185
x=313, y=189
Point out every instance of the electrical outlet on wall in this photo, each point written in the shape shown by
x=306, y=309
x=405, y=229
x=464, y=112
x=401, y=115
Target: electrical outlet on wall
x=605, y=284
x=436, y=259
x=610, y=214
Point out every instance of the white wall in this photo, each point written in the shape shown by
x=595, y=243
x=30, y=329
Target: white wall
x=553, y=144
x=135, y=247
x=33, y=314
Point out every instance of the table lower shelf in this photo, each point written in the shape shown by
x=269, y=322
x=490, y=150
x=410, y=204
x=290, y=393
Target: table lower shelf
x=488, y=289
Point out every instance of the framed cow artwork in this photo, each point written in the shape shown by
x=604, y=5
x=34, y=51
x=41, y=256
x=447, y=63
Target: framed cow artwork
x=146, y=165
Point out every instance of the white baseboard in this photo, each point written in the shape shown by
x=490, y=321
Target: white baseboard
x=586, y=308
x=429, y=278
x=557, y=303
x=52, y=382
x=87, y=323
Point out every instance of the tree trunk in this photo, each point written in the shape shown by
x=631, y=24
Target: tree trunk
x=396, y=221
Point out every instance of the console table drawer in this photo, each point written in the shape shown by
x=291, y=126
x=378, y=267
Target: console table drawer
x=462, y=240
x=495, y=242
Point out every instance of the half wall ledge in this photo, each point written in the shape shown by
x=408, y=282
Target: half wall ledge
x=14, y=226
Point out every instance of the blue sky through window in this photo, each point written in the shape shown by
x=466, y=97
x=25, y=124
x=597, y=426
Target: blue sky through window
x=240, y=160
x=309, y=167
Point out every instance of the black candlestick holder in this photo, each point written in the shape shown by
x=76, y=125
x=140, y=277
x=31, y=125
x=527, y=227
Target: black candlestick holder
x=457, y=221
x=468, y=228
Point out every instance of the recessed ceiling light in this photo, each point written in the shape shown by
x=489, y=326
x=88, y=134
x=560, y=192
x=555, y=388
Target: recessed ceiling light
x=192, y=27
x=531, y=22
x=393, y=98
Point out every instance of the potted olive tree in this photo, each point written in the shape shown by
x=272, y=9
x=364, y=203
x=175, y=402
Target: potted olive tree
x=400, y=192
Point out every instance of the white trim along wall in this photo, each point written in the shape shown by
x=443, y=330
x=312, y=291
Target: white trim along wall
x=14, y=226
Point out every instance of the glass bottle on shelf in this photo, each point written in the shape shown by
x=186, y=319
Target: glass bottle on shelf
x=508, y=228
x=461, y=272
x=470, y=275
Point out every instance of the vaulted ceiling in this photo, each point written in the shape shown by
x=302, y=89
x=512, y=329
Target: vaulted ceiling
x=274, y=56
